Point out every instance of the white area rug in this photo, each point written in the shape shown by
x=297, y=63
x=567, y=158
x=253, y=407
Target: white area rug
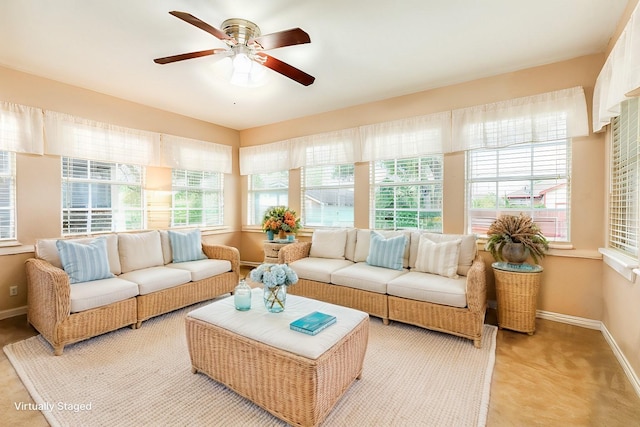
x=143, y=377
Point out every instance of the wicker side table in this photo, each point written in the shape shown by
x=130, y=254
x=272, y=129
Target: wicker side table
x=517, y=296
x=271, y=249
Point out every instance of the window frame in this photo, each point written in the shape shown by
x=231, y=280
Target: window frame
x=339, y=187
x=93, y=184
x=217, y=201
x=479, y=224
x=418, y=207
x=255, y=211
x=10, y=206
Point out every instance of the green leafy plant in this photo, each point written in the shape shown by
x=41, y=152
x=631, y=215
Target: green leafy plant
x=516, y=229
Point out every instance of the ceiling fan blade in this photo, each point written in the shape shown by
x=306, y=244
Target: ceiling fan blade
x=285, y=69
x=182, y=57
x=281, y=39
x=187, y=17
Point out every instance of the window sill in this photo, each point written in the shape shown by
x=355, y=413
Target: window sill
x=15, y=248
x=624, y=265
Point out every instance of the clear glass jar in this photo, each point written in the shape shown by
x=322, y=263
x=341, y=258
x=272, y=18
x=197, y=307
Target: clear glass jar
x=242, y=296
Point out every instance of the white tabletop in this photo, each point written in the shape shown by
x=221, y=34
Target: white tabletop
x=273, y=328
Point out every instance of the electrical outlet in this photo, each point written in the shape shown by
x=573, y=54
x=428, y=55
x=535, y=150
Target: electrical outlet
x=13, y=291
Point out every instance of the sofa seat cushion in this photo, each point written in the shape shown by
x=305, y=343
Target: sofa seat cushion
x=318, y=269
x=431, y=288
x=366, y=277
x=155, y=279
x=97, y=293
x=204, y=268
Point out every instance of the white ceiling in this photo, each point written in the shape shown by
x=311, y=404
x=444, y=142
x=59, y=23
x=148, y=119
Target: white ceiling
x=361, y=50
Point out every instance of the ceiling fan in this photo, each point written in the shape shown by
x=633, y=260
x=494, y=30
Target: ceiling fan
x=246, y=44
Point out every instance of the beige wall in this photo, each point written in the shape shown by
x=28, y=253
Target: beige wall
x=560, y=291
x=38, y=177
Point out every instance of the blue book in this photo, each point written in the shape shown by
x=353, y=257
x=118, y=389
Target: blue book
x=312, y=323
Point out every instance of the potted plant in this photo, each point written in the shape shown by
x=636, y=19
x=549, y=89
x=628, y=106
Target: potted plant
x=280, y=219
x=513, y=238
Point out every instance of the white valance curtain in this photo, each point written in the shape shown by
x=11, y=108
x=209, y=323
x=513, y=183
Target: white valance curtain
x=411, y=137
x=192, y=154
x=619, y=78
x=330, y=148
x=72, y=136
x=267, y=158
x=21, y=129
x=548, y=116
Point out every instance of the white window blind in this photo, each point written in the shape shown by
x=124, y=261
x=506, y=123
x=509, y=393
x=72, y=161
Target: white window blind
x=624, y=195
x=407, y=193
x=533, y=178
x=405, y=138
x=101, y=196
x=328, y=195
x=545, y=117
x=264, y=159
x=74, y=137
x=195, y=155
x=7, y=196
x=21, y=129
x=197, y=198
x=266, y=190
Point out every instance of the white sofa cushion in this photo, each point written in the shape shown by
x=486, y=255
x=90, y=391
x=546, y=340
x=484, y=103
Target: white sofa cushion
x=350, y=248
x=366, y=277
x=87, y=295
x=328, y=243
x=363, y=240
x=431, y=288
x=84, y=262
x=438, y=258
x=140, y=250
x=468, y=248
x=46, y=249
x=203, y=268
x=318, y=269
x=154, y=279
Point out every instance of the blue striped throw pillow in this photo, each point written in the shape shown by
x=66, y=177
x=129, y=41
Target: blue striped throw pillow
x=84, y=262
x=186, y=246
x=386, y=252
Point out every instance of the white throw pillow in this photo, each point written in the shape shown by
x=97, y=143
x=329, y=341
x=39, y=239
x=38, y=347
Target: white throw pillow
x=328, y=244
x=438, y=258
x=140, y=250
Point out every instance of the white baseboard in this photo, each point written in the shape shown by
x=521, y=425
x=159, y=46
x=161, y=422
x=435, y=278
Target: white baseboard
x=571, y=320
x=5, y=314
x=626, y=366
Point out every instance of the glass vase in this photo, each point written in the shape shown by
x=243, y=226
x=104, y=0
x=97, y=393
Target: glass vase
x=242, y=296
x=270, y=235
x=275, y=298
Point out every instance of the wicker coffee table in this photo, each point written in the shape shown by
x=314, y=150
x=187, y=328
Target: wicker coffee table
x=297, y=377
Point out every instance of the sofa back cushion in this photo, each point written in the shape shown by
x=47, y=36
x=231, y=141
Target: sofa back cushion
x=350, y=248
x=140, y=250
x=386, y=253
x=468, y=248
x=438, y=258
x=328, y=243
x=84, y=262
x=363, y=240
x=47, y=250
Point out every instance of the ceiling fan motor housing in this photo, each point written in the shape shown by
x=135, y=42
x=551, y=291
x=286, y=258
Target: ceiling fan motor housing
x=241, y=30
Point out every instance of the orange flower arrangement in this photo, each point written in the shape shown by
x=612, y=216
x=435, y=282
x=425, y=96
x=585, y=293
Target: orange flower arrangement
x=280, y=218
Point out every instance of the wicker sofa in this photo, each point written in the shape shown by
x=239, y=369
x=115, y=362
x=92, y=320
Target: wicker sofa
x=143, y=280
x=341, y=272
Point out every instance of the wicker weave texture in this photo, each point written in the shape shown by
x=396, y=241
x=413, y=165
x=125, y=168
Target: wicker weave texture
x=49, y=306
x=517, y=296
x=295, y=389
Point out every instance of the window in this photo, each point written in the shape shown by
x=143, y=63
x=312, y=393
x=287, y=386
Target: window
x=101, y=196
x=533, y=178
x=624, y=206
x=265, y=190
x=327, y=195
x=197, y=198
x=7, y=196
x=407, y=193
